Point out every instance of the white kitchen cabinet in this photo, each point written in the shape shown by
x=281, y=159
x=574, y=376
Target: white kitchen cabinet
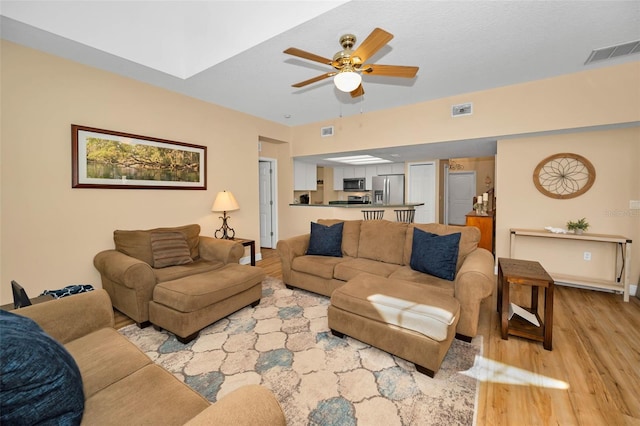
x=397, y=168
x=349, y=172
x=383, y=169
x=390, y=169
x=369, y=173
x=304, y=176
x=338, y=175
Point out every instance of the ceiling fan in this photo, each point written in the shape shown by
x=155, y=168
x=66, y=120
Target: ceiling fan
x=350, y=64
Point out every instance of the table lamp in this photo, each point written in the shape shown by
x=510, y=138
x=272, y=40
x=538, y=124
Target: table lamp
x=225, y=202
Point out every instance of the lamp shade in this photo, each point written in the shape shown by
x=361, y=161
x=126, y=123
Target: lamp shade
x=225, y=202
x=347, y=81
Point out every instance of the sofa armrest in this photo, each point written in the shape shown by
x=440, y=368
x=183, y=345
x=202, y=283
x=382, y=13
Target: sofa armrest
x=226, y=251
x=288, y=250
x=125, y=270
x=247, y=406
x=71, y=317
x=474, y=282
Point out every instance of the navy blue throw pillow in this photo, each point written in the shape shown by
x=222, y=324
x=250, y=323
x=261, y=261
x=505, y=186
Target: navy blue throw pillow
x=326, y=240
x=39, y=380
x=435, y=255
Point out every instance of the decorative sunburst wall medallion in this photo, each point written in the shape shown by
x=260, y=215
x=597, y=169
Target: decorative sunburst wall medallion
x=564, y=176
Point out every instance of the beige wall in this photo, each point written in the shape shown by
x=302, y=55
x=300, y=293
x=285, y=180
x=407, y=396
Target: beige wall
x=615, y=155
x=50, y=232
x=586, y=99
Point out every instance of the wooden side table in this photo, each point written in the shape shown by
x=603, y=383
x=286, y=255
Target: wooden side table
x=525, y=272
x=252, y=247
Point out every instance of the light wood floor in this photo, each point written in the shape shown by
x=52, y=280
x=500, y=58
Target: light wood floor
x=592, y=376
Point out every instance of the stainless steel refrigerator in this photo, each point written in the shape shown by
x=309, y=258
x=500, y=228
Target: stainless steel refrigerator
x=388, y=189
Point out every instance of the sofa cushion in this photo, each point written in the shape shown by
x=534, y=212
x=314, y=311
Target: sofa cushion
x=435, y=254
x=105, y=357
x=41, y=382
x=347, y=270
x=319, y=266
x=169, y=249
x=405, y=273
x=382, y=240
x=138, y=243
x=350, y=235
x=179, y=271
x=403, y=304
x=325, y=240
x=469, y=238
x=149, y=396
x=196, y=292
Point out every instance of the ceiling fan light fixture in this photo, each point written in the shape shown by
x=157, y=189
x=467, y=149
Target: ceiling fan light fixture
x=347, y=81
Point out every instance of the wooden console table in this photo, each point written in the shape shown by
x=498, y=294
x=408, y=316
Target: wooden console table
x=623, y=242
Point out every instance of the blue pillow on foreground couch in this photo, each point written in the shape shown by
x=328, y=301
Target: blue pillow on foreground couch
x=39, y=380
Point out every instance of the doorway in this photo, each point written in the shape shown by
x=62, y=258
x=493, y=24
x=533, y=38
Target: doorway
x=460, y=188
x=268, y=202
x=422, y=189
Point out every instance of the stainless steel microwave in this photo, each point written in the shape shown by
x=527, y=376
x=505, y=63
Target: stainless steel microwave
x=353, y=184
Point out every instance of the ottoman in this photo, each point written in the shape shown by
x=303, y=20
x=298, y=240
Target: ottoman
x=406, y=319
x=187, y=305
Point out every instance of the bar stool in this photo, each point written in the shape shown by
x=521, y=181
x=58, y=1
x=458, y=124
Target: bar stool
x=373, y=214
x=405, y=215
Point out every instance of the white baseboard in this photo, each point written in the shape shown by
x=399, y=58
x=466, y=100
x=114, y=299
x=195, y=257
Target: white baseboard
x=247, y=259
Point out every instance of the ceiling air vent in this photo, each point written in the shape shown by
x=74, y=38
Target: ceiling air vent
x=614, y=51
x=462, y=109
x=326, y=131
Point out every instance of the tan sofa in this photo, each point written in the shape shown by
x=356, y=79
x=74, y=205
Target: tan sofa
x=384, y=248
x=129, y=276
x=121, y=384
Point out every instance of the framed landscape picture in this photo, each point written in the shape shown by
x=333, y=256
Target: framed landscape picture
x=108, y=159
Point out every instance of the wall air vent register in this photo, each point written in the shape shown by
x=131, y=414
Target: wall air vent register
x=326, y=131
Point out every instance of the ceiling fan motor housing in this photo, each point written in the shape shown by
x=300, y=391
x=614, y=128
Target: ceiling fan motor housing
x=343, y=60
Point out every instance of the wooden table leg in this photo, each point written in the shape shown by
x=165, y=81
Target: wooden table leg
x=504, y=314
x=548, y=317
x=534, y=299
x=500, y=280
x=252, y=249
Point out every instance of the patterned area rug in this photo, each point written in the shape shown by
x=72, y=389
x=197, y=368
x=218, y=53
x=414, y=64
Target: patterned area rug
x=285, y=345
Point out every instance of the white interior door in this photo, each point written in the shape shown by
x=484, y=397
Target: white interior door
x=461, y=189
x=266, y=204
x=422, y=189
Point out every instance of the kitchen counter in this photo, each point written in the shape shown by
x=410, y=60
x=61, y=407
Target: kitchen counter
x=361, y=206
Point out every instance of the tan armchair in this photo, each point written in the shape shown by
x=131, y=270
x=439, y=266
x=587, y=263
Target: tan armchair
x=129, y=276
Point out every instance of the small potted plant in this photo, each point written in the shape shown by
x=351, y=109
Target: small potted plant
x=578, y=227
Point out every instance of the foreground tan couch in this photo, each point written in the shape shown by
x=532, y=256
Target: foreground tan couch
x=121, y=384
x=128, y=274
x=383, y=248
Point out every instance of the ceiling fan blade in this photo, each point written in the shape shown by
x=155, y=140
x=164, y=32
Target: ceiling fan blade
x=314, y=79
x=374, y=42
x=390, y=70
x=306, y=55
x=359, y=91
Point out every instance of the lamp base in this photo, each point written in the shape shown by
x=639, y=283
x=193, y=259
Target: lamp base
x=225, y=232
